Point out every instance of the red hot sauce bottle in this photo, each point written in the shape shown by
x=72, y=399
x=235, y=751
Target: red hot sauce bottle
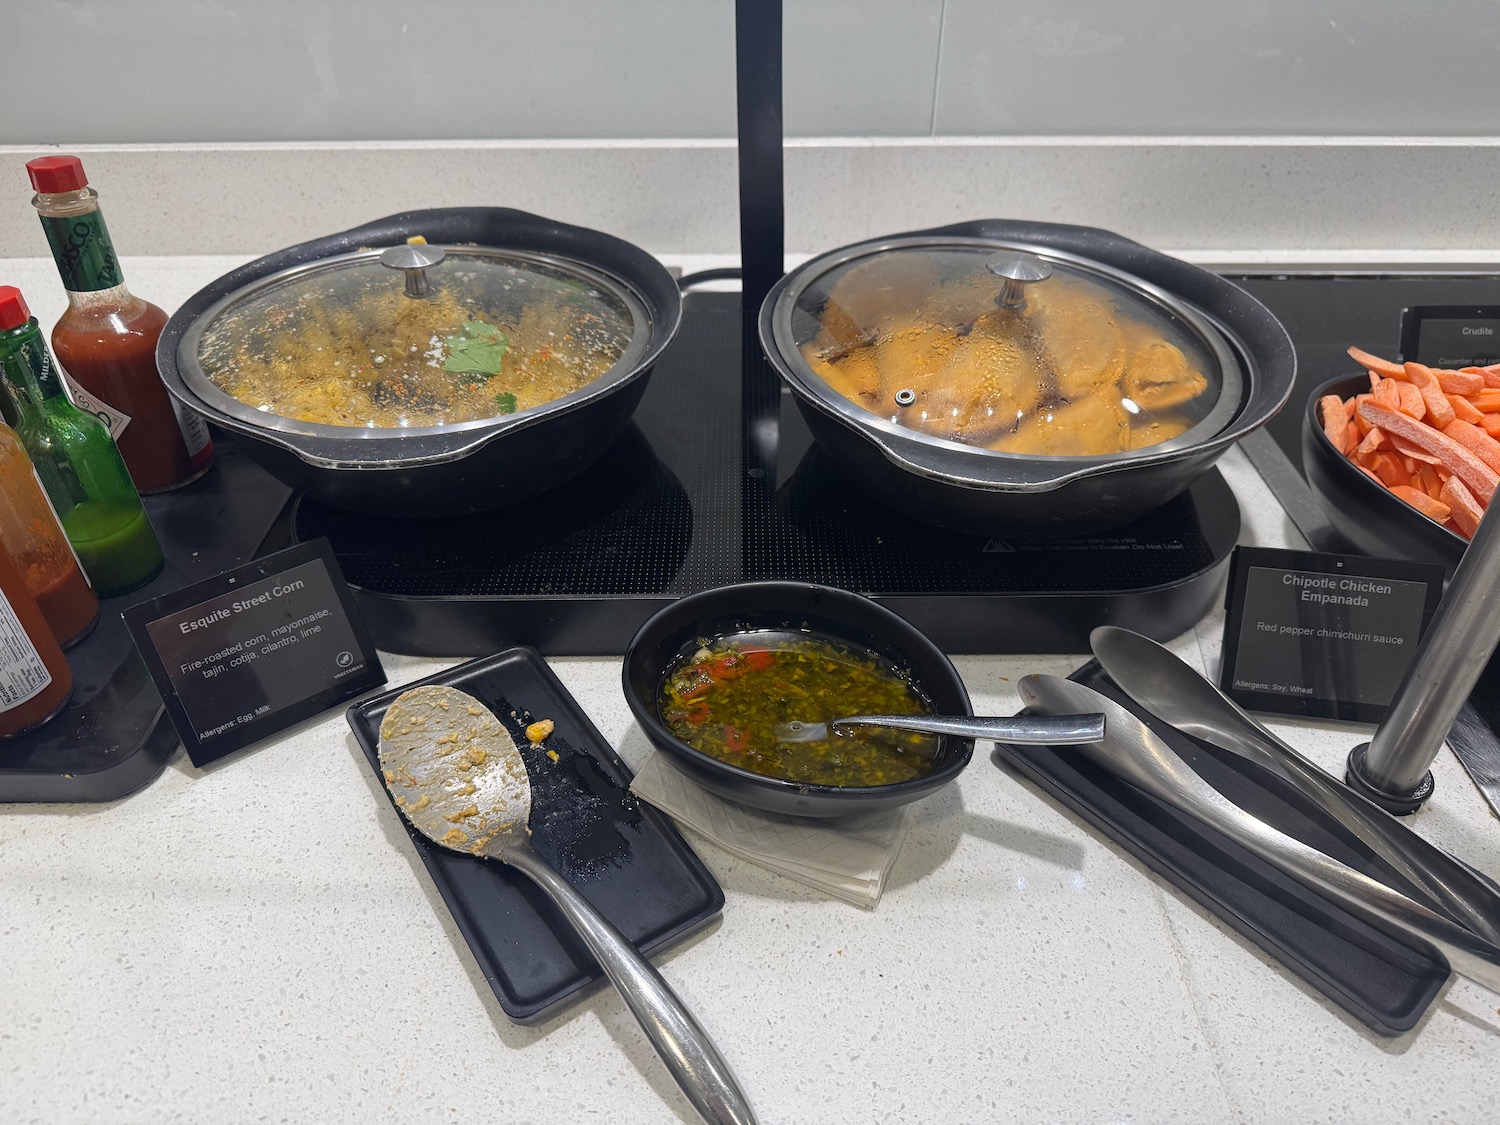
x=106, y=341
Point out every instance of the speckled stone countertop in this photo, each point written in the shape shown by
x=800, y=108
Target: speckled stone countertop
x=257, y=942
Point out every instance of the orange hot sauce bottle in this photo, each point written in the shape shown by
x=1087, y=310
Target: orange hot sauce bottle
x=35, y=679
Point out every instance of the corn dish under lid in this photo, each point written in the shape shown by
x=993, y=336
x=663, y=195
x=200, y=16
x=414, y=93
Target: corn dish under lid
x=415, y=337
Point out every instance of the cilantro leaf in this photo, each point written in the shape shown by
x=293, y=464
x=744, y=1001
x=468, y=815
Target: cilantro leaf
x=479, y=351
x=507, y=402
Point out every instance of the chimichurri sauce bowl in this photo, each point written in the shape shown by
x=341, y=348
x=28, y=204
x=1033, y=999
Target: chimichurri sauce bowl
x=716, y=641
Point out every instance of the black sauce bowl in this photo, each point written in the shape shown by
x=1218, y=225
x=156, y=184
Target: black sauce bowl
x=1363, y=511
x=823, y=610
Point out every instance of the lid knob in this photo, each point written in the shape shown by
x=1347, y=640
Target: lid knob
x=415, y=258
x=1019, y=269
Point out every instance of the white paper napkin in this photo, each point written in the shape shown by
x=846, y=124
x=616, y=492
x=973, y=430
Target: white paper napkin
x=848, y=857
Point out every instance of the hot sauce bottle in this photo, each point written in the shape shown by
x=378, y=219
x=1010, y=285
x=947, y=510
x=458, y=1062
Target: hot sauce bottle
x=106, y=341
x=35, y=680
x=37, y=545
x=78, y=464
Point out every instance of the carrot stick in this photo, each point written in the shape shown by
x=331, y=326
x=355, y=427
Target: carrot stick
x=1389, y=469
x=1437, y=403
x=1412, y=403
x=1352, y=438
x=1386, y=394
x=1480, y=479
x=1434, y=510
x=1487, y=400
x=1335, y=424
x=1373, y=441
x=1432, y=484
x=1416, y=452
x=1466, y=512
x=1460, y=382
x=1375, y=363
x=1476, y=441
x=1464, y=410
x=1491, y=425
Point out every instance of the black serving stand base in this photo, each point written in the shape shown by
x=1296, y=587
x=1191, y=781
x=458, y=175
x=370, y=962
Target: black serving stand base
x=717, y=481
x=113, y=736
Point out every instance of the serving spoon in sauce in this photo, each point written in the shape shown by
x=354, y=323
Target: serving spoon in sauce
x=456, y=775
x=1044, y=730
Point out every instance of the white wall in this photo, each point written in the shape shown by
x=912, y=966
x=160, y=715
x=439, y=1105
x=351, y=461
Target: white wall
x=129, y=71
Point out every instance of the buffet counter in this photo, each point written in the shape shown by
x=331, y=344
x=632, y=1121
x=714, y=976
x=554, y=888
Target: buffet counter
x=257, y=941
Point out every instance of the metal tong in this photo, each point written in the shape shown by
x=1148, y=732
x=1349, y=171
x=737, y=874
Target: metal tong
x=1132, y=751
x=1175, y=693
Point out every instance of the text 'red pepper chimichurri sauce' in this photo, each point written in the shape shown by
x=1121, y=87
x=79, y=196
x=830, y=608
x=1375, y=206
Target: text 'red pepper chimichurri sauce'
x=732, y=697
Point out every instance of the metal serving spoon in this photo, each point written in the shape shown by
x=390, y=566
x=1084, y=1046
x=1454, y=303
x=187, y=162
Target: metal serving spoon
x=1132, y=751
x=457, y=776
x=1043, y=730
x=1175, y=693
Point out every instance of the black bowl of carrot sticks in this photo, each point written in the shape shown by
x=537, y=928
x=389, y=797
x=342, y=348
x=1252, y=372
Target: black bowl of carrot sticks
x=1405, y=458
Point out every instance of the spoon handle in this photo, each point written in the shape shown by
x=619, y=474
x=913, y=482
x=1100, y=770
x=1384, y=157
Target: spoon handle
x=1045, y=730
x=683, y=1045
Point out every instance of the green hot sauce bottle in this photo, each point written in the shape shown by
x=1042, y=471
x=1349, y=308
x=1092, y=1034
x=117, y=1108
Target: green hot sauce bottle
x=77, y=460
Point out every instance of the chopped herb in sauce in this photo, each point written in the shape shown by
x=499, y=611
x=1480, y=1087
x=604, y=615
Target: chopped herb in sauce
x=732, y=698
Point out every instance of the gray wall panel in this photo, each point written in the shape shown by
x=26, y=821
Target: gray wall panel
x=1190, y=67
x=132, y=71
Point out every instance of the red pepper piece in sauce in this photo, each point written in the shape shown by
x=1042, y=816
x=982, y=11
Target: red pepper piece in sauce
x=757, y=660
x=727, y=667
x=693, y=683
x=734, y=739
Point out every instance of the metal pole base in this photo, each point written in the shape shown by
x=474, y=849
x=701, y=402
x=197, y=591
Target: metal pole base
x=1357, y=777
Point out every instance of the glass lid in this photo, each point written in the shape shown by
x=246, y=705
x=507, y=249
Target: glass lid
x=1037, y=353
x=415, y=337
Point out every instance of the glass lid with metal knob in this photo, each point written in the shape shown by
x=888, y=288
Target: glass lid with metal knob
x=1014, y=349
x=412, y=337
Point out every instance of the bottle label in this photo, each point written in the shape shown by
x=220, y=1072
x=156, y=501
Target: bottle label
x=114, y=421
x=195, y=433
x=84, y=254
x=22, y=672
x=52, y=508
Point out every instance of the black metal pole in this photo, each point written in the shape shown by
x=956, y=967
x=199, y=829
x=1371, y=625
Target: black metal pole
x=757, y=25
x=757, y=44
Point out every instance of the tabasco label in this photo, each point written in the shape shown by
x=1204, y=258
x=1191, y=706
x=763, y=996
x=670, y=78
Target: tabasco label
x=84, y=254
x=195, y=435
x=114, y=420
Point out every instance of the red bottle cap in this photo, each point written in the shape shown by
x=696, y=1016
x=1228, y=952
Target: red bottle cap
x=13, y=310
x=50, y=174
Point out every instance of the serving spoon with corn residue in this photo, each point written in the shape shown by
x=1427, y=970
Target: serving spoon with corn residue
x=457, y=776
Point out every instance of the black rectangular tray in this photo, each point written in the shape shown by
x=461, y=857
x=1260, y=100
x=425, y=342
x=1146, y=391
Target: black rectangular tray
x=626, y=857
x=1373, y=977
